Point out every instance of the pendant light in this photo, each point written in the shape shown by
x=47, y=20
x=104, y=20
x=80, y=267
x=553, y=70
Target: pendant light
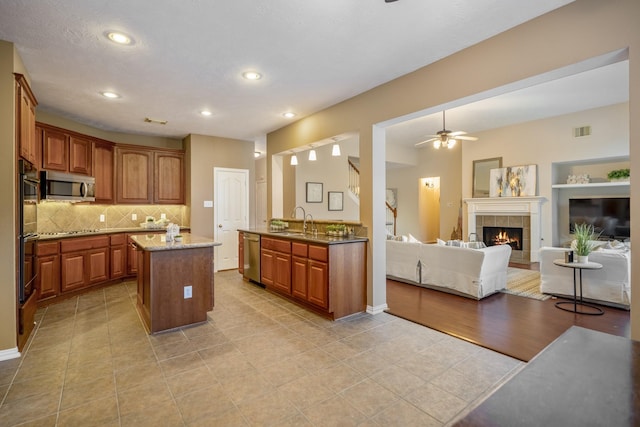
x=335, y=151
x=312, y=155
x=294, y=159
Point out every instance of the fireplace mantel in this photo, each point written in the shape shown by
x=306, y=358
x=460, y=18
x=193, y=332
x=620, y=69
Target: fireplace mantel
x=505, y=206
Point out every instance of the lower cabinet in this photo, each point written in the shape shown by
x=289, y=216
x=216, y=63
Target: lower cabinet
x=83, y=261
x=118, y=255
x=329, y=278
x=48, y=269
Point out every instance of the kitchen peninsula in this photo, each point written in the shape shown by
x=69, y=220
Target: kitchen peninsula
x=323, y=273
x=175, y=280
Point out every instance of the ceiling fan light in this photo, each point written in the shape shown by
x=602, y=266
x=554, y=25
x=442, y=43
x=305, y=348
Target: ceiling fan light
x=436, y=144
x=451, y=143
x=294, y=160
x=335, y=151
x=312, y=155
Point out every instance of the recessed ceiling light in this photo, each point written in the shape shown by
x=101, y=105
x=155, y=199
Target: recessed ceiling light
x=119, y=38
x=289, y=115
x=206, y=113
x=252, y=75
x=109, y=94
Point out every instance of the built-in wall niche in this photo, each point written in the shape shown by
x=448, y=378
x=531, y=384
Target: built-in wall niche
x=599, y=186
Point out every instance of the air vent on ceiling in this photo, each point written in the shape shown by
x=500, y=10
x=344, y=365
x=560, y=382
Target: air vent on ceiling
x=581, y=131
x=160, y=122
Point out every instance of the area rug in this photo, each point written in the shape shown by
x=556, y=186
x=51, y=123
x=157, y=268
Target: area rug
x=524, y=283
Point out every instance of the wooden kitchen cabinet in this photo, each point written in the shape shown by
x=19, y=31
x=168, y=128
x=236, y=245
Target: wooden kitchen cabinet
x=168, y=178
x=48, y=269
x=26, y=121
x=134, y=177
x=241, y=252
x=102, y=168
x=118, y=255
x=275, y=264
x=55, y=149
x=84, y=261
x=310, y=274
x=80, y=155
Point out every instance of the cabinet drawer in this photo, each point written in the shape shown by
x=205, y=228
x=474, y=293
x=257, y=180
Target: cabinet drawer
x=319, y=253
x=47, y=248
x=276, y=245
x=299, y=249
x=84, y=243
x=117, y=239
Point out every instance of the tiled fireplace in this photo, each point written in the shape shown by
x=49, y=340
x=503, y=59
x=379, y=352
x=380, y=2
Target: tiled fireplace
x=508, y=220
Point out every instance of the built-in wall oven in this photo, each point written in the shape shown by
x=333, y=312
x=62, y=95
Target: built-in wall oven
x=28, y=220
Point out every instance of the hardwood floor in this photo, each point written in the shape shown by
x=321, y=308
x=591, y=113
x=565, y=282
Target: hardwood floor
x=516, y=326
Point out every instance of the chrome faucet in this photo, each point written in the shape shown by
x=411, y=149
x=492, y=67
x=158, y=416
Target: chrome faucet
x=304, y=217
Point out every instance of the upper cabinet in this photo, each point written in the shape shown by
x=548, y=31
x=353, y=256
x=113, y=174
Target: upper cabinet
x=64, y=151
x=102, y=166
x=26, y=121
x=149, y=176
x=168, y=177
x=134, y=175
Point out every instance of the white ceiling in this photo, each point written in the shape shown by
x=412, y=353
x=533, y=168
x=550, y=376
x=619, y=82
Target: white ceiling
x=189, y=55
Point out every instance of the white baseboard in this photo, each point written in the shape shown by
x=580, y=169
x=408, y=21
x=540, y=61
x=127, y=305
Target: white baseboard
x=11, y=353
x=377, y=309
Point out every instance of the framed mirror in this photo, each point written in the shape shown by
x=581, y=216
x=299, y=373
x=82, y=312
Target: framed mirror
x=481, y=170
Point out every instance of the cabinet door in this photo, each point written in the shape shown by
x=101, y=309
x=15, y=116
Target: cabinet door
x=133, y=176
x=168, y=178
x=267, y=259
x=55, y=150
x=79, y=155
x=118, y=261
x=299, y=277
x=132, y=257
x=97, y=265
x=318, y=291
x=48, y=280
x=282, y=272
x=25, y=121
x=74, y=273
x=102, y=168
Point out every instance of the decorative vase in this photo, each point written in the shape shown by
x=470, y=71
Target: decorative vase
x=583, y=259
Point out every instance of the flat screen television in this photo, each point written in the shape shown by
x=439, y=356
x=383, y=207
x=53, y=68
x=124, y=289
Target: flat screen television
x=610, y=216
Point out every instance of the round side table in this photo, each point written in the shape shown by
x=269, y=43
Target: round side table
x=585, y=308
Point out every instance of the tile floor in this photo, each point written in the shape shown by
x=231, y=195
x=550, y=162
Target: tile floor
x=259, y=360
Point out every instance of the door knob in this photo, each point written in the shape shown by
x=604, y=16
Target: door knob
x=219, y=225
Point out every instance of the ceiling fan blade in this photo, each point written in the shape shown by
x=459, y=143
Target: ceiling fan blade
x=456, y=133
x=426, y=142
x=467, y=138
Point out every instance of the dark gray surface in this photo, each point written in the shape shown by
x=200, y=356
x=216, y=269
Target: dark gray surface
x=584, y=378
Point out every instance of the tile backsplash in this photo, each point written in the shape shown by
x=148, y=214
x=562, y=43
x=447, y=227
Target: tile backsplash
x=58, y=216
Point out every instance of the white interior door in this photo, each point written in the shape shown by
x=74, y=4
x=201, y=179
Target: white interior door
x=231, y=201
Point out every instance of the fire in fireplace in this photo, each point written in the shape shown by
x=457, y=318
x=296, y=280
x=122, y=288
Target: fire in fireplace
x=511, y=236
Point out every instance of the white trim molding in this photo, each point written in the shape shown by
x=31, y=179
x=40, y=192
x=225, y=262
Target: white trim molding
x=377, y=309
x=506, y=206
x=11, y=353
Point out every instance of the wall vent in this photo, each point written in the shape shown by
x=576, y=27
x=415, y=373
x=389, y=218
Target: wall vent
x=581, y=131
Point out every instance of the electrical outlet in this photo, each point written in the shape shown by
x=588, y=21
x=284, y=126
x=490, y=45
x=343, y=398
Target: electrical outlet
x=187, y=292
x=101, y=217
x=163, y=216
x=134, y=217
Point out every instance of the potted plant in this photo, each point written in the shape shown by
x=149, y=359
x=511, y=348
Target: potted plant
x=619, y=175
x=585, y=236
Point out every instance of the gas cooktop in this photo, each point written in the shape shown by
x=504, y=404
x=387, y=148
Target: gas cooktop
x=67, y=233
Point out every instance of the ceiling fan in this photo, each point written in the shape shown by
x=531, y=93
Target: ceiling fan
x=446, y=138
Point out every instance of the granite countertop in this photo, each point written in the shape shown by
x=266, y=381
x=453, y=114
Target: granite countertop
x=158, y=242
x=297, y=235
x=102, y=231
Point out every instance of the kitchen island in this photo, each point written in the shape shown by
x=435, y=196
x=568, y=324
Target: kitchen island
x=175, y=280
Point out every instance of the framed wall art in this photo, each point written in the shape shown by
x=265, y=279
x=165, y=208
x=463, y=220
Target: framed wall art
x=514, y=181
x=336, y=199
x=314, y=192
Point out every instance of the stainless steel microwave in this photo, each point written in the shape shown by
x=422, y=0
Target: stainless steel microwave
x=67, y=187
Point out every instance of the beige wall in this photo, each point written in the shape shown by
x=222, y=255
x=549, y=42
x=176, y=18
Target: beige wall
x=579, y=31
x=8, y=173
x=117, y=137
x=203, y=154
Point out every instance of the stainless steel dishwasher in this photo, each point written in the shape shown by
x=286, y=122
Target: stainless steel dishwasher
x=252, y=257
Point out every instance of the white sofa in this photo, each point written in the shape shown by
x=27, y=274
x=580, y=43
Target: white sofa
x=611, y=285
x=473, y=273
